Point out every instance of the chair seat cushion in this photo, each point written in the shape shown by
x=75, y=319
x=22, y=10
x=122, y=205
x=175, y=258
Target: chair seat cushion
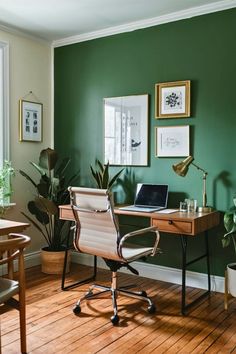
x=133, y=251
x=8, y=288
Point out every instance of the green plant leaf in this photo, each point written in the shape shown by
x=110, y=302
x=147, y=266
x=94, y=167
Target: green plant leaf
x=38, y=168
x=101, y=166
x=43, y=189
x=73, y=178
x=62, y=167
x=229, y=221
x=47, y=206
x=28, y=178
x=41, y=216
x=105, y=177
x=114, y=178
x=225, y=242
x=96, y=175
x=36, y=226
x=48, y=159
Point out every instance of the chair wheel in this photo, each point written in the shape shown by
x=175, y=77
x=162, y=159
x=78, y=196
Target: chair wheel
x=152, y=308
x=115, y=319
x=77, y=309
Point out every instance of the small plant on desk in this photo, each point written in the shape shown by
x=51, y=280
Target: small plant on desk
x=102, y=175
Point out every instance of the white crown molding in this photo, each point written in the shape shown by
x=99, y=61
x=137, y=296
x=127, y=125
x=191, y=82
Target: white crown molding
x=175, y=16
x=17, y=32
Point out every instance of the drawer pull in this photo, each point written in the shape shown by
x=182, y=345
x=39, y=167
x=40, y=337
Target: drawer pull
x=170, y=222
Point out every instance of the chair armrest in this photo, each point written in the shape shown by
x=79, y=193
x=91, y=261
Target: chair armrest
x=141, y=232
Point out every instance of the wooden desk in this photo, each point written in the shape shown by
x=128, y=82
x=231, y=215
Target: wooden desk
x=8, y=226
x=183, y=224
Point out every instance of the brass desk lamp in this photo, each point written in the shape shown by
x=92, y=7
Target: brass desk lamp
x=181, y=169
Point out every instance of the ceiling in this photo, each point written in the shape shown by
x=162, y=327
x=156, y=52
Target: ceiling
x=54, y=20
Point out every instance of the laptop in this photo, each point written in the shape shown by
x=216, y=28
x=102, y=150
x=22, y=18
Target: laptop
x=149, y=198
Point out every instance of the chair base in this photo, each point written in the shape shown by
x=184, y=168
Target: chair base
x=141, y=295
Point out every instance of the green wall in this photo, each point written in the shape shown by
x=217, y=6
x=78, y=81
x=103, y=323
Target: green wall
x=201, y=49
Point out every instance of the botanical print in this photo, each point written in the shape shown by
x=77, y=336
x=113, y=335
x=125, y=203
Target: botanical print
x=173, y=100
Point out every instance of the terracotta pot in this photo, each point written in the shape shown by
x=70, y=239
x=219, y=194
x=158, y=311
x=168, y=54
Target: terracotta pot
x=53, y=262
x=231, y=271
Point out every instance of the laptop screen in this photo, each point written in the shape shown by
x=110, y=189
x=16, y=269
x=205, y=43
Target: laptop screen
x=151, y=195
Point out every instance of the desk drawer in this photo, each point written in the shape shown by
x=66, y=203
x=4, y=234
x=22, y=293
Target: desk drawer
x=66, y=214
x=173, y=226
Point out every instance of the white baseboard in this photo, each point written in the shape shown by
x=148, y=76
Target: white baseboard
x=152, y=271
x=32, y=259
x=167, y=274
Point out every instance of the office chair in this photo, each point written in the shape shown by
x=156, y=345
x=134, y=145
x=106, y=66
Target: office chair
x=11, y=249
x=97, y=233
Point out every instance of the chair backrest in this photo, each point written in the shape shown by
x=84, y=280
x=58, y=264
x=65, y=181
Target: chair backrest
x=97, y=230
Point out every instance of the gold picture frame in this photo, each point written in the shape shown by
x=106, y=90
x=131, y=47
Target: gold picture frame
x=172, y=99
x=30, y=121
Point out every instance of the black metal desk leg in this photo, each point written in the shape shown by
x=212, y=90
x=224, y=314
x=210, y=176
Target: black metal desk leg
x=184, y=255
x=208, y=261
x=185, y=264
x=63, y=287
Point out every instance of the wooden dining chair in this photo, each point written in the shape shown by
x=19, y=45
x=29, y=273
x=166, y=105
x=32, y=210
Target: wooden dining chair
x=11, y=252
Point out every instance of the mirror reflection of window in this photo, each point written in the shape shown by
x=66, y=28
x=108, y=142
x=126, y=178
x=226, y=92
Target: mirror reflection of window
x=126, y=130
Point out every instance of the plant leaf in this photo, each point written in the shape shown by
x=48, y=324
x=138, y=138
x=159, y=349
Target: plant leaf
x=38, y=168
x=114, y=178
x=48, y=159
x=225, y=242
x=105, y=177
x=101, y=166
x=62, y=167
x=35, y=225
x=46, y=205
x=28, y=178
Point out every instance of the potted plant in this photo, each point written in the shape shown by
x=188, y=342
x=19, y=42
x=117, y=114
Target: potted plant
x=5, y=186
x=230, y=239
x=51, y=191
x=102, y=175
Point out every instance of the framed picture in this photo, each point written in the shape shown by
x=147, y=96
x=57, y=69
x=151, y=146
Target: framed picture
x=126, y=130
x=172, y=99
x=172, y=141
x=31, y=115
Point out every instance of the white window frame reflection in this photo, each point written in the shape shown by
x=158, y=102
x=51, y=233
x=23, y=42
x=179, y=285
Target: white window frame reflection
x=126, y=130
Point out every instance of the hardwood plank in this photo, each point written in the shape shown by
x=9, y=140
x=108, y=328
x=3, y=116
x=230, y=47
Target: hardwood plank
x=53, y=328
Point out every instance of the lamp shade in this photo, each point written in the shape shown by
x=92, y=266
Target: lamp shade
x=181, y=168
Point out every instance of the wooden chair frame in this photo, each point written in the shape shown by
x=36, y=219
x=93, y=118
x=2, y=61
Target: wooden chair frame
x=11, y=249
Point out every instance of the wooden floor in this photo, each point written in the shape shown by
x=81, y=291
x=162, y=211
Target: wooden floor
x=53, y=328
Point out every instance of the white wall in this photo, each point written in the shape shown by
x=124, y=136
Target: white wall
x=30, y=70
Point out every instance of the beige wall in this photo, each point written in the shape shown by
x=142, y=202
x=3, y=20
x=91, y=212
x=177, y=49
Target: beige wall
x=30, y=70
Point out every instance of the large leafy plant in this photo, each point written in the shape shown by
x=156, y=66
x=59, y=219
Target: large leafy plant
x=230, y=226
x=51, y=191
x=5, y=185
x=102, y=175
